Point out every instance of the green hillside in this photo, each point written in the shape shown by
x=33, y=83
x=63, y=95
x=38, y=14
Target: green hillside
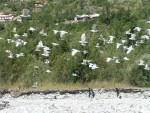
x=116, y=17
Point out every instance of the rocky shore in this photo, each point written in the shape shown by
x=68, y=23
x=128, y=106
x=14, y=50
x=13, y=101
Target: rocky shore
x=104, y=100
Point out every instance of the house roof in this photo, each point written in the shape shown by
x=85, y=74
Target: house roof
x=88, y=16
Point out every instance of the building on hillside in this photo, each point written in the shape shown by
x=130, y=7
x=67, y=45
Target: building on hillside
x=4, y=17
x=25, y=13
x=85, y=17
x=81, y=18
x=38, y=4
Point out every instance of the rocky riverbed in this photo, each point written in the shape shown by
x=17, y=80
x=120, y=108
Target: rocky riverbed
x=104, y=101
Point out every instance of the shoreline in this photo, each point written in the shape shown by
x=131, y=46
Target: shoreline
x=18, y=93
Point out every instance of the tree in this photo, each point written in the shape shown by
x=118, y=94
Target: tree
x=2, y=26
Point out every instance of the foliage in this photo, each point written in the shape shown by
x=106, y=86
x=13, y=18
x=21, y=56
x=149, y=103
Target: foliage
x=2, y=26
x=114, y=19
x=138, y=75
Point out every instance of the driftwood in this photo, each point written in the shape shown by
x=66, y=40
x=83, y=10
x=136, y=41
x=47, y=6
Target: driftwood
x=73, y=91
x=17, y=93
x=4, y=91
x=126, y=90
x=132, y=90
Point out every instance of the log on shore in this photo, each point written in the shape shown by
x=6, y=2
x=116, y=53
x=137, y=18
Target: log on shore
x=17, y=93
x=4, y=91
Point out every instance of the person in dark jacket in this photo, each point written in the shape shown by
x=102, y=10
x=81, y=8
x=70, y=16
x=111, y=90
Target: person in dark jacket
x=91, y=93
x=117, y=92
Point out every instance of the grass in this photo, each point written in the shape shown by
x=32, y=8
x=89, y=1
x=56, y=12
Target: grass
x=69, y=86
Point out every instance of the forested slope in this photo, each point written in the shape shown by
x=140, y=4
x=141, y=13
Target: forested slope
x=118, y=19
